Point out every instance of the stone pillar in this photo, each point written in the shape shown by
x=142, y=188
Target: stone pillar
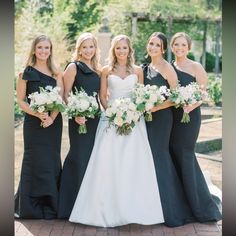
x=104, y=40
x=104, y=43
x=134, y=24
x=217, y=47
x=169, y=34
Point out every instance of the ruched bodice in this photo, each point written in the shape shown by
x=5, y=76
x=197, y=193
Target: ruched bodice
x=119, y=87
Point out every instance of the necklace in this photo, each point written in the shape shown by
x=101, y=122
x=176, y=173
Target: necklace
x=156, y=65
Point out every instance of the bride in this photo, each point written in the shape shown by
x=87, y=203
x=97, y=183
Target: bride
x=119, y=186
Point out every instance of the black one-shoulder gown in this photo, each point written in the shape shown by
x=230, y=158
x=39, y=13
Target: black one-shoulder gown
x=37, y=194
x=81, y=145
x=182, y=147
x=174, y=203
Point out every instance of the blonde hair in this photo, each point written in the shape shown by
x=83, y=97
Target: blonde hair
x=32, y=58
x=181, y=34
x=95, y=59
x=112, y=60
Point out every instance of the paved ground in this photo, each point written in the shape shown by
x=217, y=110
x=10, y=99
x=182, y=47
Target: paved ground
x=65, y=228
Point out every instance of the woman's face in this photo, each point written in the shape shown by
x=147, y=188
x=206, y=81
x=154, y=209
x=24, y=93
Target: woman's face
x=87, y=49
x=121, y=50
x=180, y=47
x=43, y=50
x=154, y=47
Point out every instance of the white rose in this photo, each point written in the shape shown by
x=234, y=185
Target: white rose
x=148, y=106
x=118, y=121
x=83, y=104
x=40, y=99
x=153, y=98
x=41, y=109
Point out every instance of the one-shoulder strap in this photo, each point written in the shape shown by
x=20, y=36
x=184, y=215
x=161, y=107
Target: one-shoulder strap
x=30, y=74
x=83, y=67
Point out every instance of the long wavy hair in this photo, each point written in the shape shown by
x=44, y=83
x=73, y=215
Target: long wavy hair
x=112, y=60
x=184, y=35
x=76, y=56
x=32, y=58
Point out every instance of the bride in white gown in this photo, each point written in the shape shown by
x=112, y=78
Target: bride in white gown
x=119, y=186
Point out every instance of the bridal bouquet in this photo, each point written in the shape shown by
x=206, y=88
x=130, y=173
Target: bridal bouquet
x=187, y=95
x=122, y=113
x=81, y=104
x=148, y=96
x=48, y=99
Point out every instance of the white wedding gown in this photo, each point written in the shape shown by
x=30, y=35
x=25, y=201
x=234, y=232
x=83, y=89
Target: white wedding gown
x=119, y=186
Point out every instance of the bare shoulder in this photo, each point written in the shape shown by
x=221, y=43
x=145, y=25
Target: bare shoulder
x=71, y=66
x=197, y=67
x=20, y=74
x=168, y=69
x=138, y=69
x=105, y=70
x=168, y=66
x=59, y=74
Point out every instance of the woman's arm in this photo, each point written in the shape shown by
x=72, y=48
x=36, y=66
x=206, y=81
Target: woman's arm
x=139, y=73
x=68, y=79
x=54, y=114
x=21, y=96
x=201, y=78
x=103, y=88
x=172, y=80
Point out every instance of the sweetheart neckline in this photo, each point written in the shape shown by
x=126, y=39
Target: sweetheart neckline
x=124, y=77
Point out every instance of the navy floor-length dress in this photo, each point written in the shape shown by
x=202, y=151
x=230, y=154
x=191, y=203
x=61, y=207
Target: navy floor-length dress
x=37, y=194
x=174, y=203
x=182, y=148
x=80, y=144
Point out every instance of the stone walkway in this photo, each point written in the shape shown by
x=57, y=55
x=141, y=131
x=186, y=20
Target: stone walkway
x=65, y=228
x=208, y=130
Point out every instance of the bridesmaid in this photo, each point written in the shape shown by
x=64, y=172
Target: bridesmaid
x=159, y=72
x=83, y=72
x=184, y=136
x=37, y=195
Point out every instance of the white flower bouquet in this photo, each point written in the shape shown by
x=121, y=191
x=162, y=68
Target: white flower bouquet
x=122, y=113
x=81, y=104
x=46, y=100
x=187, y=95
x=148, y=96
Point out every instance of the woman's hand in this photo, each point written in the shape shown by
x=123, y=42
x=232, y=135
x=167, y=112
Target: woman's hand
x=80, y=120
x=189, y=108
x=154, y=109
x=42, y=116
x=47, y=122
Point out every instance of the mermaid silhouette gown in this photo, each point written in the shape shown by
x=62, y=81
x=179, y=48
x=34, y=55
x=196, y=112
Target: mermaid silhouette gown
x=81, y=145
x=119, y=186
x=37, y=195
x=174, y=203
x=182, y=148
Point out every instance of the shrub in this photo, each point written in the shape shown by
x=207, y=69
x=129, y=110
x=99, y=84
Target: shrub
x=17, y=110
x=214, y=88
x=191, y=56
